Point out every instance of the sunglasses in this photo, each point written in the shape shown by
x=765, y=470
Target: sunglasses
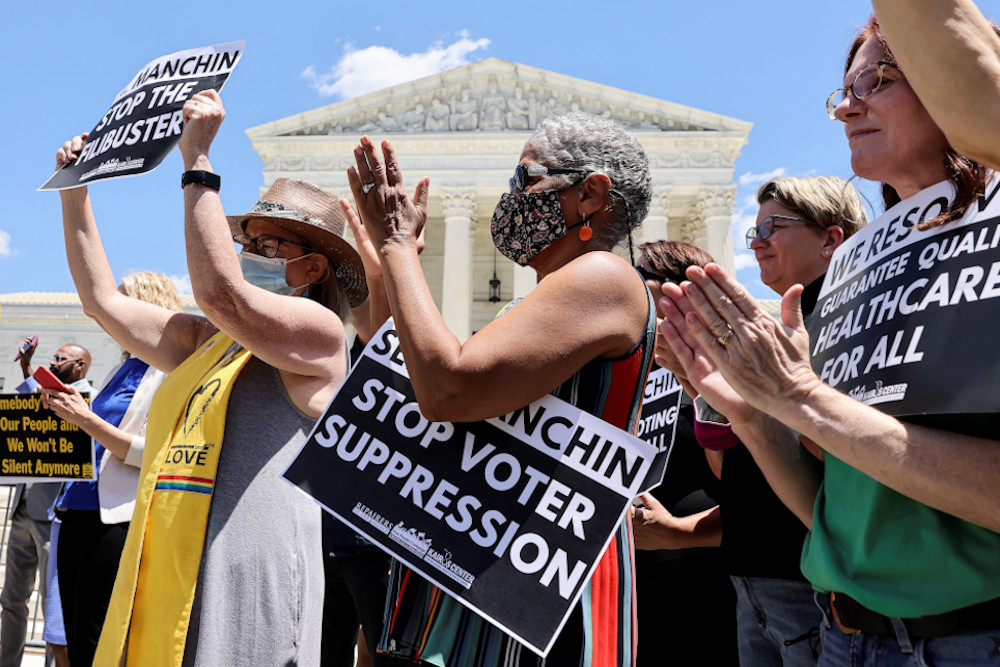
x=60, y=358
x=649, y=275
x=524, y=172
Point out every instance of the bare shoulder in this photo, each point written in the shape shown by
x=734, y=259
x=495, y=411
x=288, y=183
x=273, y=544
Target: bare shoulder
x=603, y=296
x=602, y=277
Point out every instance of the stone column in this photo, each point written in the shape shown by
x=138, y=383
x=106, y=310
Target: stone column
x=714, y=207
x=459, y=206
x=524, y=280
x=654, y=227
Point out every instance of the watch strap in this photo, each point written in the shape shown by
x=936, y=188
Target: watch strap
x=206, y=178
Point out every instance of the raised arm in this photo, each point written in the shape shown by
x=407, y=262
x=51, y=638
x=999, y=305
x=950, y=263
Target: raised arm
x=158, y=336
x=298, y=336
x=767, y=363
x=585, y=310
x=378, y=309
x=951, y=57
x=27, y=353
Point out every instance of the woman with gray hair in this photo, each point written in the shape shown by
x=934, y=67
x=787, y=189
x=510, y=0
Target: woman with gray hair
x=583, y=334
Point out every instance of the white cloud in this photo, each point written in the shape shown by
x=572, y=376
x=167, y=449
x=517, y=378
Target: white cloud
x=5, y=250
x=360, y=71
x=182, y=283
x=745, y=260
x=758, y=179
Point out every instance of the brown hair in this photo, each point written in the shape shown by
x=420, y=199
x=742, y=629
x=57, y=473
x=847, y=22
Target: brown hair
x=328, y=292
x=968, y=177
x=671, y=258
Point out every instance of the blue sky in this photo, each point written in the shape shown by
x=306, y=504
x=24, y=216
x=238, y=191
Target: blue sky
x=771, y=63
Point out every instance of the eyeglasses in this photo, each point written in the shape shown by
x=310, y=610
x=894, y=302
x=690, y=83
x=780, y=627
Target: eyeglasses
x=60, y=358
x=766, y=228
x=267, y=246
x=868, y=82
x=524, y=172
x=649, y=275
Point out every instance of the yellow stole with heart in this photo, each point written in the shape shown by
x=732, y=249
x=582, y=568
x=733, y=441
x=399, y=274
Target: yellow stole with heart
x=151, y=604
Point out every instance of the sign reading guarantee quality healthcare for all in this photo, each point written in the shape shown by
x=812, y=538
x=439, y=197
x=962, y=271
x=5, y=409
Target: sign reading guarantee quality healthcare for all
x=905, y=318
x=508, y=515
x=145, y=121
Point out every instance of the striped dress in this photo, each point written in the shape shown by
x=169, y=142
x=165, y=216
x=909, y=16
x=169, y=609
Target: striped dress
x=425, y=624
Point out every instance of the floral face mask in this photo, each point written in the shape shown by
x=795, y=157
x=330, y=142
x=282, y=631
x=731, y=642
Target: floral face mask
x=526, y=223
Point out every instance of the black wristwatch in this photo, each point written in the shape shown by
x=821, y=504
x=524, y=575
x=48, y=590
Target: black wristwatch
x=206, y=178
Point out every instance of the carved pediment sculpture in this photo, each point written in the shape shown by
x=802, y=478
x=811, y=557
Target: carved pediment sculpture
x=492, y=95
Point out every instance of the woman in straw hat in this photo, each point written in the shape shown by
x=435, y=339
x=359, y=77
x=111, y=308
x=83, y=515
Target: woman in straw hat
x=223, y=563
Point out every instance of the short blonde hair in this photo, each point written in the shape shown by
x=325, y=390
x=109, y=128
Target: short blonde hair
x=826, y=200
x=154, y=288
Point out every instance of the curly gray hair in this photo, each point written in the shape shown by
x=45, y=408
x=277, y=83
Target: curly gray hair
x=602, y=146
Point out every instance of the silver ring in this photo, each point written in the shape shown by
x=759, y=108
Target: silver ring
x=366, y=187
x=726, y=337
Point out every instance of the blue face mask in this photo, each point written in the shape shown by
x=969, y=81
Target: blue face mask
x=267, y=272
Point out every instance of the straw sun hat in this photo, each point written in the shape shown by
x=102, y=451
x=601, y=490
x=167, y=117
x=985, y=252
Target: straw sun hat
x=314, y=215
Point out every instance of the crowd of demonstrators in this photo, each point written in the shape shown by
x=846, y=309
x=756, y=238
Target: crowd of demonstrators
x=94, y=516
x=684, y=596
x=881, y=531
x=584, y=334
x=903, y=537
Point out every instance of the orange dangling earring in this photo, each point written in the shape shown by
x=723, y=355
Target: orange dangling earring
x=586, y=232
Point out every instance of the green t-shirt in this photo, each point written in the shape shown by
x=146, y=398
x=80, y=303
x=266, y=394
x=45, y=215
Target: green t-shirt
x=893, y=554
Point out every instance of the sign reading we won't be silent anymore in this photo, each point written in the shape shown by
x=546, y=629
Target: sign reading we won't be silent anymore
x=35, y=445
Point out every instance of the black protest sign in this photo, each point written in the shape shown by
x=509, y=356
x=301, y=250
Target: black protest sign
x=660, y=404
x=904, y=315
x=144, y=122
x=508, y=515
x=37, y=445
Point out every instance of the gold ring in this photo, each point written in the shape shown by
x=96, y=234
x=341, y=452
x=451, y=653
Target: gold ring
x=726, y=337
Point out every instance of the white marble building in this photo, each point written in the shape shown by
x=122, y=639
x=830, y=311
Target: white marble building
x=463, y=128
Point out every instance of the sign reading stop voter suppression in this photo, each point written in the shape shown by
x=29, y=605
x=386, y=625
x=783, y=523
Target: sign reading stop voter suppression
x=508, y=515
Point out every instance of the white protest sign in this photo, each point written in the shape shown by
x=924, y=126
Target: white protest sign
x=901, y=317
x=509, y=515
x=144, y=122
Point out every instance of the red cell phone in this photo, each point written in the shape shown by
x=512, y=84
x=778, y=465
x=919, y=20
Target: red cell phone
x=46, y=378
x=27, y=346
